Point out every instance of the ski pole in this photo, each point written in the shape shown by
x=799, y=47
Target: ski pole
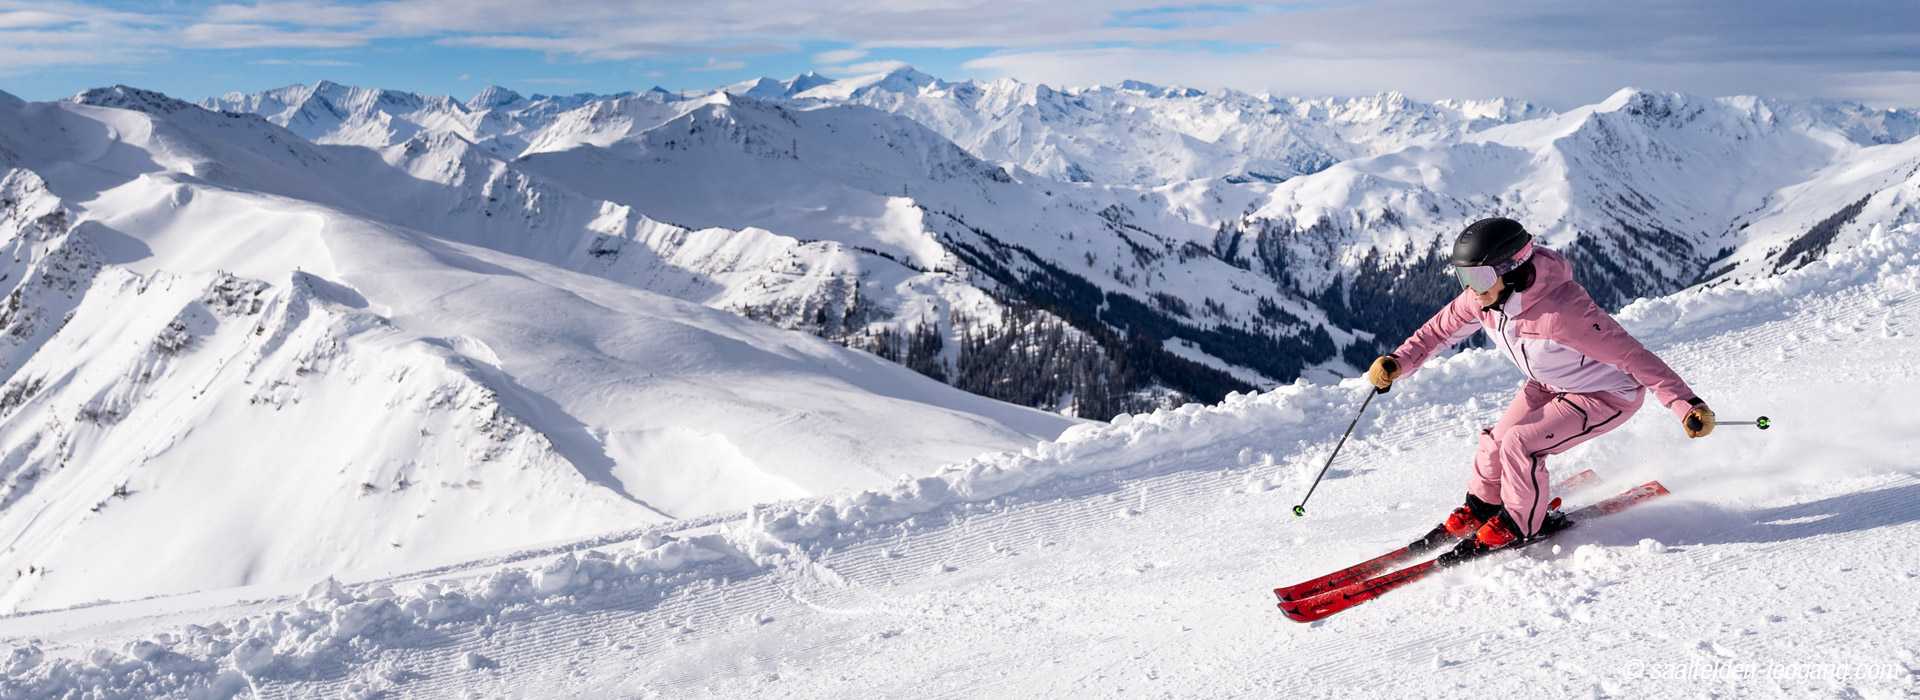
x=1301, y=510
x=1762, y=422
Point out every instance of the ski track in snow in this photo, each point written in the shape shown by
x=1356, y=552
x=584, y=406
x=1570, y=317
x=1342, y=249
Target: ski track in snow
x=1143, y=565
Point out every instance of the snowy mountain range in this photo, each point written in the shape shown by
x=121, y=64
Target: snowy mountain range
x=1185, y=243
x=386, y=331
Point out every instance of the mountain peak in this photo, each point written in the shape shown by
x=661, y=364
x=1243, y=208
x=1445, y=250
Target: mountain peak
x=133, y=98
x=1664, y=107
x=1621, y=98
x=1152, y=90
x=906, y=78
x=806, y=81
x=494, y=96
x=760, y=88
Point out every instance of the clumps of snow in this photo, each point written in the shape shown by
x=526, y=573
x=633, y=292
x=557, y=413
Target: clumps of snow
x=1080, y=451
x=473, y=661
x=557, y=575
x=334, y=625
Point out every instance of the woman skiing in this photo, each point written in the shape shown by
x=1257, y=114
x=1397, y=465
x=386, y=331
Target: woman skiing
x=1585, y=376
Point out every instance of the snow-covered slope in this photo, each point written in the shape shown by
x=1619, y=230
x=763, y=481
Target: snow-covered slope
x=1877, y=188
x=1136, y=558
x=226, y=345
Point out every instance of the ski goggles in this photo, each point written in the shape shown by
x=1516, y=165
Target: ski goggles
x=1481, y=278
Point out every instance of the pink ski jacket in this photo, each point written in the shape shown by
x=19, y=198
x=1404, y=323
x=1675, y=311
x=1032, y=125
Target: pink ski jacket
x=1556, y=335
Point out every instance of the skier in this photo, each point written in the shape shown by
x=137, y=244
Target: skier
x=1585, y=376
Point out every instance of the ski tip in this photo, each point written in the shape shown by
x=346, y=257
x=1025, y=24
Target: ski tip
x=1656, y=487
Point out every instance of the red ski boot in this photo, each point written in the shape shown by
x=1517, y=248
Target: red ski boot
x=1460, y=523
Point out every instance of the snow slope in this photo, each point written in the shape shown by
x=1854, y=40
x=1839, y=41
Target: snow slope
x=228, y=359
x=1137, y=557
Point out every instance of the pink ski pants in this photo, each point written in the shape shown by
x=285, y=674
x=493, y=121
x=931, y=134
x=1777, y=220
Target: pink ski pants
x=1511, y=465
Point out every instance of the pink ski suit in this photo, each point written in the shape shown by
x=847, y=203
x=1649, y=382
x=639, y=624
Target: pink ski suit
x=1585, y=376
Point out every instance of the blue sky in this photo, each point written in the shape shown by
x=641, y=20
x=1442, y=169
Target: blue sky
x=1557, y=53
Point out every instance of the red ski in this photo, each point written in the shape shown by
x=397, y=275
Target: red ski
x=1321, y=606
x=1396, y=558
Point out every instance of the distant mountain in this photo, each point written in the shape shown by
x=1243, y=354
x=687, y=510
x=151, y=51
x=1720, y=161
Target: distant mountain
x=770, y=89
x=1147, y=135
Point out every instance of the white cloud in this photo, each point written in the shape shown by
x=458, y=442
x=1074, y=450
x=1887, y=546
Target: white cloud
x=260, y=36
x=22, y=19
x=838, y=56
x=50, y=33
x=866, y=68
x=302, y=62
x=306, y=14
x=465, y=77
x=714, y=64
x=15, y=59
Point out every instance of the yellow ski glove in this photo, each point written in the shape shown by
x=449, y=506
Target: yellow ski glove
x=1385, y=369
x=1699, y=421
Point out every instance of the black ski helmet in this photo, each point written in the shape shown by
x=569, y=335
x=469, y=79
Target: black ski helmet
x=1489, y=242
